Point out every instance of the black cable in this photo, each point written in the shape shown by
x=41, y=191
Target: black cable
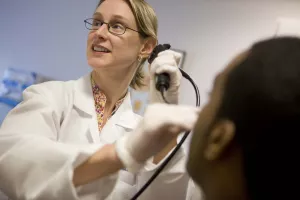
x=162, y=92
x=185, y=75
x=163, y=165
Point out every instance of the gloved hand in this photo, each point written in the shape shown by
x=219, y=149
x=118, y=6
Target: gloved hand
x=166, y=61
x=161, y=123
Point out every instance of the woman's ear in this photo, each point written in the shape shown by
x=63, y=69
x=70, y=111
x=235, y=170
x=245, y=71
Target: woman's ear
x=219, y=139
x=148, y=45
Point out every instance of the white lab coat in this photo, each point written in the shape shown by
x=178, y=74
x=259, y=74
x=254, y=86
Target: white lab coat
x=54, y=130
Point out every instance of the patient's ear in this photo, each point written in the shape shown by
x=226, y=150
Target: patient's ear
x=219, y=139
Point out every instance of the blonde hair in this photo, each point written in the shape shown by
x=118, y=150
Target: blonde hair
x=147, y=24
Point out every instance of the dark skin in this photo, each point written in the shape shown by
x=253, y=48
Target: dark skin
x=215, y=161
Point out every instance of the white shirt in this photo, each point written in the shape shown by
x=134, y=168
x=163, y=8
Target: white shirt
x=55, y=129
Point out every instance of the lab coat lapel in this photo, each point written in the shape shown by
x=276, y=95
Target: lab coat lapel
x=84, y=102
x=128, y=119
x=122, y=122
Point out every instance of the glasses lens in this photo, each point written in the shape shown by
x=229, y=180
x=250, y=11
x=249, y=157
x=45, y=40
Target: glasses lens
x=117, y=28
x=92, y=24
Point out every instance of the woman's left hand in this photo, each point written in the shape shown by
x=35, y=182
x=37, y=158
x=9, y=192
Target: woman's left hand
x=166, y=62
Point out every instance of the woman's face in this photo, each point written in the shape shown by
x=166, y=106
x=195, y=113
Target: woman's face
x=123, y=50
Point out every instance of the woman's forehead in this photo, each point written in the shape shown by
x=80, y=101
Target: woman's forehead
x=118, y=8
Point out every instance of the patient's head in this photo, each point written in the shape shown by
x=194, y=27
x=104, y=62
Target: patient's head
x=245, y=143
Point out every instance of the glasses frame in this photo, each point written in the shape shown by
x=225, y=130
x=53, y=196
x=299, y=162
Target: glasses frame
x=108, y=26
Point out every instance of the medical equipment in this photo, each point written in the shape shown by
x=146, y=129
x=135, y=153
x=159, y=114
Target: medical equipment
x=162, y=85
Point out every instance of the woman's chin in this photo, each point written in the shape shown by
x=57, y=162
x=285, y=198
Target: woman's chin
x=97, y=64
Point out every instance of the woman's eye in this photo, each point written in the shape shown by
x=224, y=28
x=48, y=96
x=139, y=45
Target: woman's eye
x=97, y=23
x=117, y=26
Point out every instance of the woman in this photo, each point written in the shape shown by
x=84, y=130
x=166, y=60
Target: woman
x=80, y=139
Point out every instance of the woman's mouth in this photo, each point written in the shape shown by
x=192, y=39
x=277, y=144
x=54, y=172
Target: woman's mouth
x=100, y=49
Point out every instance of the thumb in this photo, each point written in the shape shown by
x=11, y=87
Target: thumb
x=177, y=57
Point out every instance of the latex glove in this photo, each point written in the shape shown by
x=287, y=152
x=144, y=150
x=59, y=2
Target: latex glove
x=161, y=123
x=166, y=61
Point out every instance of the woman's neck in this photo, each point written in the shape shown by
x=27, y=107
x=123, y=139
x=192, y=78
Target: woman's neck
x=113, y=84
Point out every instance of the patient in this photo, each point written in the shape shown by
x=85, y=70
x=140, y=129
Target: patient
x=245, y=144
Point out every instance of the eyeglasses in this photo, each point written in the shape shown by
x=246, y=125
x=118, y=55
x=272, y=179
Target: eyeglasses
x=114, y=28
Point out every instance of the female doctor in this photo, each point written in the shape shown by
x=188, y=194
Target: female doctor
x=80, y=139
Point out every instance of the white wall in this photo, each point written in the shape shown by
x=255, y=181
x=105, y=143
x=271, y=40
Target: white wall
x=46, y=36
x=49, y=36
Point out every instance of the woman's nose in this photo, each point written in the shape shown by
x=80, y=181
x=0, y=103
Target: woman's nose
x=102, y=31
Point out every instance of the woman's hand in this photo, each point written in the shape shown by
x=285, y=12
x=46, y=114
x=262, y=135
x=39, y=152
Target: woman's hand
x=166, y=62
x=161, y=124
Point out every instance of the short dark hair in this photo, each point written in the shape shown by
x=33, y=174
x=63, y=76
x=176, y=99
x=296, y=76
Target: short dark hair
x=262, y=97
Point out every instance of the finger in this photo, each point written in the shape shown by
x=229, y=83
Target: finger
x=161, y=61
x=164, y=57
x=188, y=117
x=181, y=116
x=177, y=56
x=173, y=72
x=175, y=130
x=188, y=123
x=166, y=69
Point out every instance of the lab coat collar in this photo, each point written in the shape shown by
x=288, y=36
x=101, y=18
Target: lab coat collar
x=122, y=122
x=84, y=100
x=126, y=117
x=83, y=95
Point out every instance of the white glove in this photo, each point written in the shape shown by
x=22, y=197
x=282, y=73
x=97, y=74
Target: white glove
x=161, y=123
x=166, y=61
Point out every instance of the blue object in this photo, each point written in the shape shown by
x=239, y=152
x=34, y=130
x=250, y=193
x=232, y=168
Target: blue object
x=13, y=84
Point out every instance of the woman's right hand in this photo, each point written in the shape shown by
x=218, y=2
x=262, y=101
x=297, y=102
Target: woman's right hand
x=161, y=123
